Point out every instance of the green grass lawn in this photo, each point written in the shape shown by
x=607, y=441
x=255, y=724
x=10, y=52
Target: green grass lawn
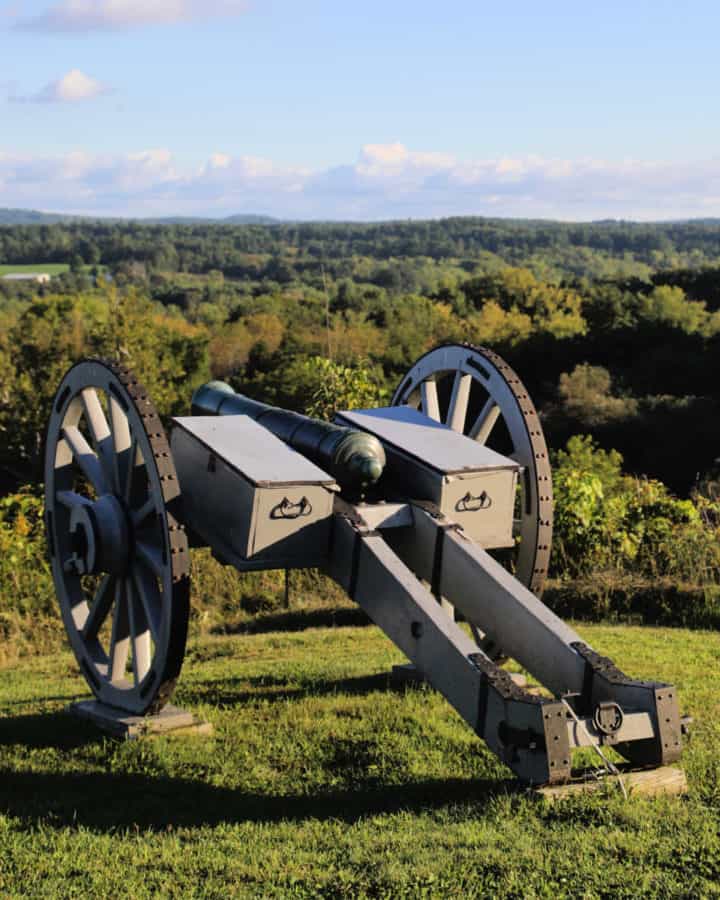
x=323, y=781
x=47, y=268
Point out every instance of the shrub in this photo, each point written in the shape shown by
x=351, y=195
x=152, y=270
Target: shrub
x=605, y=520
x=586, y=395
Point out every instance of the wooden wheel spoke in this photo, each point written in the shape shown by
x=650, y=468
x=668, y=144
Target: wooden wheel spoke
x=429, y=400
x=122, y=442
x=100, y=607
x=95, y=414
x=120, y=637
x=138, y=516
x=484, y=423
x=69, y=499
x=147, y=590
x=457, y=411
x=100, y=431
x=150, y=555
x=86, y=458
x=134, y=462
x=140, y=634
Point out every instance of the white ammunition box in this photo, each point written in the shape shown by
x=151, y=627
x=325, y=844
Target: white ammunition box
x=471, y=484
x=254, y=500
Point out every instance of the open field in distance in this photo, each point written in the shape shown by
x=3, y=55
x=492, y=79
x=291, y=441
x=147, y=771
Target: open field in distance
x=39, y=268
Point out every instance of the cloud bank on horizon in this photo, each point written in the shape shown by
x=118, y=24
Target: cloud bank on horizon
x=114, y=15
x=386, y=181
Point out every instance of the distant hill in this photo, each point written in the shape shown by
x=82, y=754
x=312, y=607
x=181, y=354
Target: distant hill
x=252, y=220
x=242, y=219
x=34, y=217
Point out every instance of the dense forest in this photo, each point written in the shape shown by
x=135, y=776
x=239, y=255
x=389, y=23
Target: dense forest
x=614, y=328
x=550, y=249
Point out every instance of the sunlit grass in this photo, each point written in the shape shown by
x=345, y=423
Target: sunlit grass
x=322, y=780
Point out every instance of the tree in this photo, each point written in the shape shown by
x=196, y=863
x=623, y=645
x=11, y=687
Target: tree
x=168, y=355
x=333, y=386
x=586, y=394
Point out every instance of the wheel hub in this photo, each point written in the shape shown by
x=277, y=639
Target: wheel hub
x=100, y=537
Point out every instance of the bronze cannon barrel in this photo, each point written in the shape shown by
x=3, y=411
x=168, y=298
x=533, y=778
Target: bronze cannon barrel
x=354, y=458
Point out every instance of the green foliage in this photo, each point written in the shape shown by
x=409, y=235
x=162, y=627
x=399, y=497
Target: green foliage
x=606, y=337
x=494, y=325
x=605, y=520
x=169, y=355
x=586, y=395
x=336, y=387
x=551, y=309
x=26, y=588
x=612, y=596
x=668, y=305
x=551, y=297
x=317, y=386
x=53, y=332
x=583, y=455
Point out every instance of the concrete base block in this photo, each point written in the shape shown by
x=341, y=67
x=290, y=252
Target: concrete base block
x=121, y=724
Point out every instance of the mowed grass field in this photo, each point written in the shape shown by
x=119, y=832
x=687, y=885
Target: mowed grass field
x=39, y=268
x=321, y=780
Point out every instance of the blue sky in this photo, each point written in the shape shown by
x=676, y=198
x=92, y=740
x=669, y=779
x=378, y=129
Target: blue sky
x=370, y=110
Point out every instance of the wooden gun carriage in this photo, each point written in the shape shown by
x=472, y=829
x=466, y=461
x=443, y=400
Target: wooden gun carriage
x=436, y=508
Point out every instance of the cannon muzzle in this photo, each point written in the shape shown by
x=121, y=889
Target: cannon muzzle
x=354, y=458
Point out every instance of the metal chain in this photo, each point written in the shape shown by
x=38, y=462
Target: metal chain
x=610, y=766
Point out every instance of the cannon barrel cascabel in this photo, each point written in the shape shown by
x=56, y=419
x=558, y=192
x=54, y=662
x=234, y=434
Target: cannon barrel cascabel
x=354, y=458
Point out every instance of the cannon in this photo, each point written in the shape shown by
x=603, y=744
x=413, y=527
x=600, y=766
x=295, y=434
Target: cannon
x=433, y=513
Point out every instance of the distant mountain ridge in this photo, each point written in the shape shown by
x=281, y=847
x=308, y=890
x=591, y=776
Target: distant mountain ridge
x=241, y=219
x=32, y=217
x=35, y=217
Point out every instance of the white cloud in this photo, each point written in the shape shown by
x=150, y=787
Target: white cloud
x=71, y=88
x=114, y=15
x=220, y=161
x=386, y=181
x=394, y=159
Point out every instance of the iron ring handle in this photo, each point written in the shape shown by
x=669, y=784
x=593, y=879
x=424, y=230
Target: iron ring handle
x=286, y=509
x=468, y=503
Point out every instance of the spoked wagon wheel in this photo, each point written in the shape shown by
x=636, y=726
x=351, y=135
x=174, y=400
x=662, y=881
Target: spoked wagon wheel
x=473, y=391
x=119, y=553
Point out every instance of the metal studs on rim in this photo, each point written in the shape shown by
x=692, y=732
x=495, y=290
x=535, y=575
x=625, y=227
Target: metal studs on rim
x=119, y=554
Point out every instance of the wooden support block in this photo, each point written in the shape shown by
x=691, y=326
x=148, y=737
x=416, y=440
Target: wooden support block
x=646, y=782
x=116, y=722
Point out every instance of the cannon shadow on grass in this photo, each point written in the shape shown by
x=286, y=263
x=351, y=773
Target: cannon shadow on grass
x=56, y=730
x=155, y=801
x=226, y=692
x=298, y=620
x=108, y=802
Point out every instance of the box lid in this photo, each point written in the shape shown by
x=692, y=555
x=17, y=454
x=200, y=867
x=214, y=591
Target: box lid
x=421, y=437
x=253, y=451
